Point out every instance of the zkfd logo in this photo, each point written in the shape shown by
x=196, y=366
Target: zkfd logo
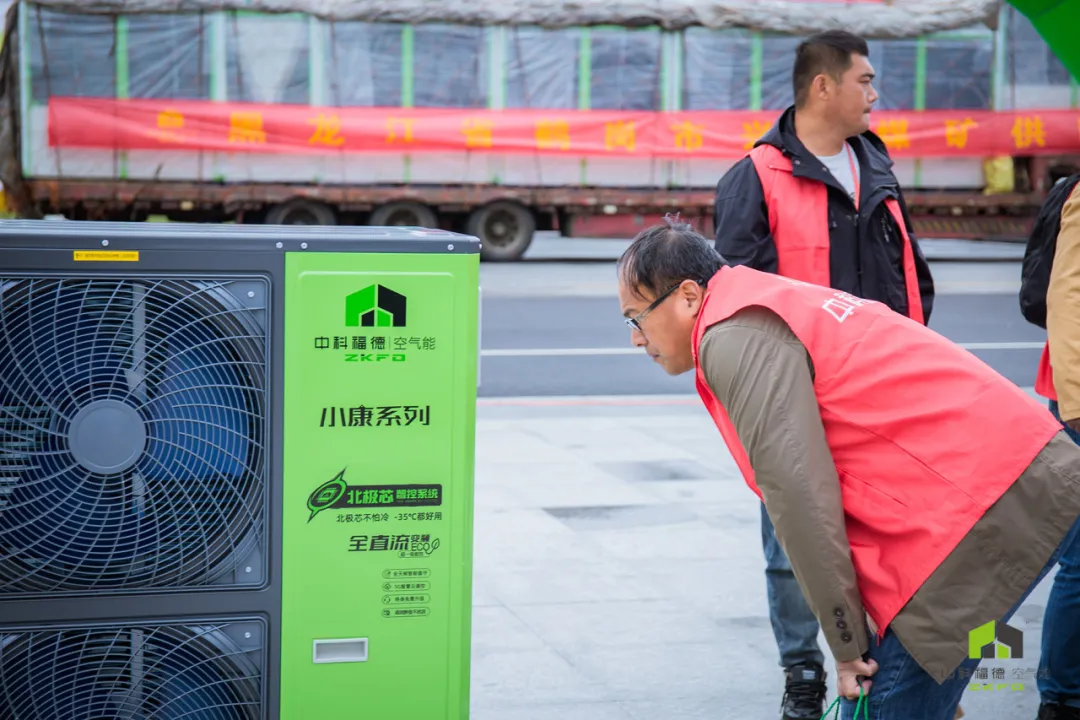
x=995, y=639
x=375, y=306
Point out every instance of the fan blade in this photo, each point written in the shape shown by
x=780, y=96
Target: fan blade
x=136, y=374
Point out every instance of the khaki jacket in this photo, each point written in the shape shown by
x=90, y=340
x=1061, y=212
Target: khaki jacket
x=1063, y=310
x=762, y=374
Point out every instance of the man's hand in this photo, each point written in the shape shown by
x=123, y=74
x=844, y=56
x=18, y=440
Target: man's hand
x=1074, y=424
x=847, y=677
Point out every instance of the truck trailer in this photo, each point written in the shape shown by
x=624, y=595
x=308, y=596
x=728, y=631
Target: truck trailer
x=502, y=118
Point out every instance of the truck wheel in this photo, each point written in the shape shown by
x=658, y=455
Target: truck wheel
x=505, y=230
x=301, y=212
x=404, y=213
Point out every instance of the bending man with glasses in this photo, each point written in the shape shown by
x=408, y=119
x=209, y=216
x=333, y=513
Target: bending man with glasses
x=911, y=538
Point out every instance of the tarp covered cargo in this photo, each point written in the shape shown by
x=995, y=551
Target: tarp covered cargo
x=873, y=18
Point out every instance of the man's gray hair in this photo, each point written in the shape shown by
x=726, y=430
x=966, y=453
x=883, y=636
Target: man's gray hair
x=664, y=255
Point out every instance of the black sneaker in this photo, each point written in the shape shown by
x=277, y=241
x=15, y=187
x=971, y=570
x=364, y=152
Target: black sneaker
x=804, y=694
x=1058, y=712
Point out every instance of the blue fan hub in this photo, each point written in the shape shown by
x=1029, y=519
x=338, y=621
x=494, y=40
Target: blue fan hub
x=107, y=437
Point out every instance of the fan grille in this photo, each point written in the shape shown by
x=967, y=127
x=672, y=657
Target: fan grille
x=132, y=433
x=162, y=672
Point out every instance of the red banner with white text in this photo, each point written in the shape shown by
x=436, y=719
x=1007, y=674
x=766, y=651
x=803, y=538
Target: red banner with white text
x=300, y=129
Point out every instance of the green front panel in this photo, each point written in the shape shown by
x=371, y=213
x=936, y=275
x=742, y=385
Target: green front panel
x=379, y=422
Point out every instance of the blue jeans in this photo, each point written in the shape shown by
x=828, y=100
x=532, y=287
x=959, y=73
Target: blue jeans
x=1071, y=433
x=793, y=622
x=901, y=689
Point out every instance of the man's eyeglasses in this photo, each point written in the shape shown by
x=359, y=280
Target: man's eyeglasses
x=635, y=322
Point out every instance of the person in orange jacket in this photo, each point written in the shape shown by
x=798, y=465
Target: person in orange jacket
x=852, y=424
x=1059, y=381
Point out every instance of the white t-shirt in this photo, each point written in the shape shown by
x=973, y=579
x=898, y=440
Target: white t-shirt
x=840, y=167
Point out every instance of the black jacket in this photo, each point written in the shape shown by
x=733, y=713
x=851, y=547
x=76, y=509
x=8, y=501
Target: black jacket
x=865, y=256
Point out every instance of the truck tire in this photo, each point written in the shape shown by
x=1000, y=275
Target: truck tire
x=300, y=211
x=404, y=213
x=505, y=230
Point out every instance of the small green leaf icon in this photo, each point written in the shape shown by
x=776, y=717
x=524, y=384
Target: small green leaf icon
x=326, y=495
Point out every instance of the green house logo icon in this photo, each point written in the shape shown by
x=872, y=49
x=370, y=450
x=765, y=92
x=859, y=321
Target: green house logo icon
x=996, y=640
x=375, y=306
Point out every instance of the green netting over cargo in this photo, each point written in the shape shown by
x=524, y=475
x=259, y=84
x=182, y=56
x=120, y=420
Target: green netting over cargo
x=350, y=63
x=1058, y=22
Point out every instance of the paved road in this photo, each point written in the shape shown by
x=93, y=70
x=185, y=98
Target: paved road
x=518, y=333
x=553, y=327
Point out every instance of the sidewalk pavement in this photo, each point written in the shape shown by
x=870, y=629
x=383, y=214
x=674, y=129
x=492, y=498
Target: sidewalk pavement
x=618, y=571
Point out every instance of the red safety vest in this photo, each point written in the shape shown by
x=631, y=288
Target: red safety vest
x=799, y=221
x=924, y=435
x=1044, y=378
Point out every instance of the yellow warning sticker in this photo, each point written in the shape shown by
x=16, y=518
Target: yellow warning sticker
x=106, y=256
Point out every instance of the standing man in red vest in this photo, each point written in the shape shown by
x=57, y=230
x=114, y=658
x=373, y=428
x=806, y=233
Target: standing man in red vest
x=816, y=200
x=907, y=532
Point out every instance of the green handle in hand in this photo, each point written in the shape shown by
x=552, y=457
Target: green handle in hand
x=836, y=704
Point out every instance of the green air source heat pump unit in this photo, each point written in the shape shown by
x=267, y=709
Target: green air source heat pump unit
x=236, y=472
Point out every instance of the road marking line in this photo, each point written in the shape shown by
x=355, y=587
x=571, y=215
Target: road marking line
x=592, y=400
x=559, y=352
x=1002, y=345
x=580, y=352
x=614, y=400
